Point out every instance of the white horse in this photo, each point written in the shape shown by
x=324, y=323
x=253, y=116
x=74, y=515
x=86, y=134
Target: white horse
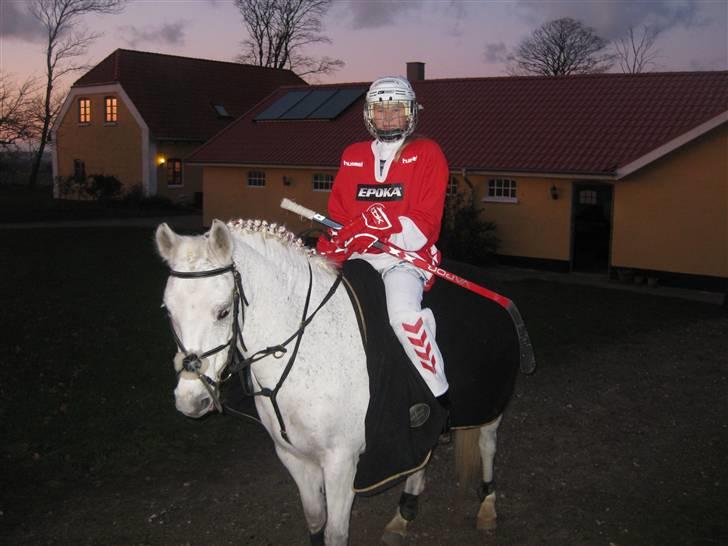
x=248, y=288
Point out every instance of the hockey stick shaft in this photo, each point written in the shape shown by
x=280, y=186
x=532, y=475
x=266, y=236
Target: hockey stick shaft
x=527, y=359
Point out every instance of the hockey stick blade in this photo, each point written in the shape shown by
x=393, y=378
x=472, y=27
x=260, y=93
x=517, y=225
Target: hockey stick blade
x=527, y=358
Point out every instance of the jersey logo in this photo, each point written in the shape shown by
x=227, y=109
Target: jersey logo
x=379, y=192
x=406, y=160
x=353, y=163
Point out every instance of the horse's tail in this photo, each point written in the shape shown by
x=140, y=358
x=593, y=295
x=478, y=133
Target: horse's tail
x=468, y=466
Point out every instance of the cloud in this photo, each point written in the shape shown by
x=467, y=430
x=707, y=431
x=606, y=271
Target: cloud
x=611, y=19
x=378, y=14
x=167, y=33
x=495, y=53
x=18, y=23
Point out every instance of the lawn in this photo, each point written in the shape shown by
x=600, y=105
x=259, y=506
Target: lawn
x=627, y=398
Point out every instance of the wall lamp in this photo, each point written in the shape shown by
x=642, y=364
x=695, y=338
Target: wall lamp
x=554, y=191
x=287, y=180
x=161, y=160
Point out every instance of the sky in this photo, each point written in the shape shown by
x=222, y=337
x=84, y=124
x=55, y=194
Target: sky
x=377, y=37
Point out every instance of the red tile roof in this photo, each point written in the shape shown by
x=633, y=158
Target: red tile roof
x=175, y=94
x=590, y=124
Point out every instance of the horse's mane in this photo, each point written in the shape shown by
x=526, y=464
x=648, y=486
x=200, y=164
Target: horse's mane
x=286, y=247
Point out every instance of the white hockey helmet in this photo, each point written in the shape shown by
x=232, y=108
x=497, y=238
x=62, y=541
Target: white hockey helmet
x=391, y=92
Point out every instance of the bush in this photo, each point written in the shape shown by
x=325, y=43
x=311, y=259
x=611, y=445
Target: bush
x=465, y=236
x=103, y=187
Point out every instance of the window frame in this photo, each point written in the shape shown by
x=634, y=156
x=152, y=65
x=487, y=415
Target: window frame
x=115, y=110
x=176, y=180
x=79, y=170
x=509, y=184
x=327, y=183
x=84, y=110
x=256, y=179
x=453, y=185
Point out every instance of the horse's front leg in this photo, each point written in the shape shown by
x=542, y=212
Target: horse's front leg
x=396, y=529
x=309, y=478
x=486, y=492
x=339, y=471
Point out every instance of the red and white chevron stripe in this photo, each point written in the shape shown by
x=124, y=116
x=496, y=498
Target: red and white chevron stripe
x=421, y=345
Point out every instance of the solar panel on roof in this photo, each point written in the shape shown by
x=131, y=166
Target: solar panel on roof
x=282, y=105
x=311, y=102
x=338, y=103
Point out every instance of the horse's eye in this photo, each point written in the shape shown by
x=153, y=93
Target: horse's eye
x=222, y=314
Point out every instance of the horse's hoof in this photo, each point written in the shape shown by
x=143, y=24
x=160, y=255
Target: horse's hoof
x=486, y=524
x=392, y=539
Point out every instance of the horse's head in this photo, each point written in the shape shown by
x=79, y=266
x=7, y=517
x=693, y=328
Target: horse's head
x=200, y=299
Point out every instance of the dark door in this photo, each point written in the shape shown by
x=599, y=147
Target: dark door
x=592, y=226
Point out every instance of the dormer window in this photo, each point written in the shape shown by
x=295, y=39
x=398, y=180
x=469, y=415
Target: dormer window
x=111, y=110
x=84, y=110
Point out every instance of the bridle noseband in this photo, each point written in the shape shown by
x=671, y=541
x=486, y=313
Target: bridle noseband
x=236, y=363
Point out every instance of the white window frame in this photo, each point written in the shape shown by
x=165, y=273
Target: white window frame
x=322, y=182
x=256, y=179
x=494, y=186
x=452, y=187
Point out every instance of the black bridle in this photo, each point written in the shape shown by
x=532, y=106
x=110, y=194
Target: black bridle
x=236, y=363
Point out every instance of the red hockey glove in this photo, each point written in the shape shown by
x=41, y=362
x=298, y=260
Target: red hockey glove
x=331, y=250
x=373, y=225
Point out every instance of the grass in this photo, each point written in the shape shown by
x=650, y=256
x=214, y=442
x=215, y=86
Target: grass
x=18, y=203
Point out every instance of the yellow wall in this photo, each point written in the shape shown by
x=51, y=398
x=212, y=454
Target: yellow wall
x=673, y=215
x=109, y=149
x=191, y=176
x=227, y=195
x=537, y=226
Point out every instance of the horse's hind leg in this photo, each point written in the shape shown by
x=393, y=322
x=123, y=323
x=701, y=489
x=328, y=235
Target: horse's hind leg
x=486, y=491
x=396, y=529
x=309, y=478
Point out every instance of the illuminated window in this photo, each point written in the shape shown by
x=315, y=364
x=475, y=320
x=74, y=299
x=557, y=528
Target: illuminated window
x=110, y=110
x=256, y=178
x=79, y=170
x=322, y=182
x=501, y=190
x=452, y=186
x=174, y=172
x=84, y=110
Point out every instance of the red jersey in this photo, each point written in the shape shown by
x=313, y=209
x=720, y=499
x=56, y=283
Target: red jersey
x=413, y=189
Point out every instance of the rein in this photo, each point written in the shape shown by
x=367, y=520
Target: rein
x=235, y=362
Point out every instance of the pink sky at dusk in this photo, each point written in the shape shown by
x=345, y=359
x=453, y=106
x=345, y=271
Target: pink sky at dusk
x=374, y=38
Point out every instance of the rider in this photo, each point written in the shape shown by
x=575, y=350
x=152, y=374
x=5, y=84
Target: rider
x=393, y=190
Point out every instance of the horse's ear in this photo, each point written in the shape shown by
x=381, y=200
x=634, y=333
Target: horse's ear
x=220, y=242
x=166, y=241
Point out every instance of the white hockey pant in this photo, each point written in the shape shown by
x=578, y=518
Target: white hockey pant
x=414, y=326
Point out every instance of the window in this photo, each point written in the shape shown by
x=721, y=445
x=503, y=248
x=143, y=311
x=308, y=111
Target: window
x=452, y=186
x=174, y=172
x=110, y=110
x=84, y=110
x=501, y=190
x=256, y=178
x=323, y=182
x=79, y=170
x=587, y=197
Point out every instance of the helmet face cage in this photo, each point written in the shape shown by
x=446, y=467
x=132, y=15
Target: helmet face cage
x=391, y=102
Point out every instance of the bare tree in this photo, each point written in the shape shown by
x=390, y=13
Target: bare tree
x=66, y=42
x=559, y=48
x=636, y=51
x=280, y=30
x=16, y=117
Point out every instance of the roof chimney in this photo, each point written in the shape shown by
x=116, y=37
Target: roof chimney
x=415, y=71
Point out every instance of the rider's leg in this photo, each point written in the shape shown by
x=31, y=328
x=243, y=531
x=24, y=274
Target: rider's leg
x=414, y=326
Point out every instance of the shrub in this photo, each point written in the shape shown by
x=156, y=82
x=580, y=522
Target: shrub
x=465, y=236
x=103, y=187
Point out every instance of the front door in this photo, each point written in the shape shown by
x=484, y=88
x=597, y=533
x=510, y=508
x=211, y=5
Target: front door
x=591, y=226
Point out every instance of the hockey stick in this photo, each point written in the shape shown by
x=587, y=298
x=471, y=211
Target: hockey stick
x=527, y=359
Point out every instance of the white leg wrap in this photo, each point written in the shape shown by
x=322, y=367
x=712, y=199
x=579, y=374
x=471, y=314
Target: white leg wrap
x=416, y=334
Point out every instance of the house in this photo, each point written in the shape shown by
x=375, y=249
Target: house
x=136, y=115
x=604, y=172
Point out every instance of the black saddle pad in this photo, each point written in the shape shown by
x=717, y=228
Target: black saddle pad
x=480, y=350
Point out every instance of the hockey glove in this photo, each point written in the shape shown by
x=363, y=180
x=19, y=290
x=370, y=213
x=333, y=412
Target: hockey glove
x=331, y=250
x=373, y=225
